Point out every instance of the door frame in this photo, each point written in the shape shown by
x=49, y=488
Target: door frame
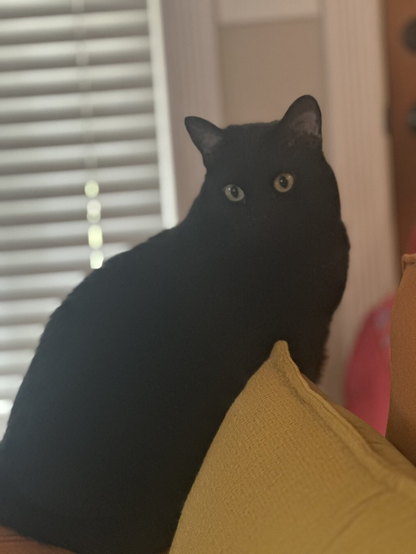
x=191, y=53
x=360, y=152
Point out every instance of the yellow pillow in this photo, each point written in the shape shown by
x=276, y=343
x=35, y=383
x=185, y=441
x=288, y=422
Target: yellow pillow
x=290, y=472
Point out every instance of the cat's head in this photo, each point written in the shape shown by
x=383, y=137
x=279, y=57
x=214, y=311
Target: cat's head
x=261, y=175
x=269, y=189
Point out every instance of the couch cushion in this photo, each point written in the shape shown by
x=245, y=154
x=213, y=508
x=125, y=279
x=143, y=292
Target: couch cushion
x=401, y=428
x=289, y=471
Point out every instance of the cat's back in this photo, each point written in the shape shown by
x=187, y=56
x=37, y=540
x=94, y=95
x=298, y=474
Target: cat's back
x=95, y=344
x=96, y=355
x=106, y=299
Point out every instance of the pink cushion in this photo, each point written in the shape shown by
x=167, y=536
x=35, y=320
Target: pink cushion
x=367, y=379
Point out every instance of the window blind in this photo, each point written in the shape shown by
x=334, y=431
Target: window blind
x=78, y=160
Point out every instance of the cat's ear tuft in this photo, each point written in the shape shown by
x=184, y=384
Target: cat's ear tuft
x=205, y=135
x=302, y=123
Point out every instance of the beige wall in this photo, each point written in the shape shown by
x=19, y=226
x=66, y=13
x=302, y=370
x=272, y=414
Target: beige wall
x=266, y=66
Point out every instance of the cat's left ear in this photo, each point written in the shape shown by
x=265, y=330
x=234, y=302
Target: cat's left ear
x=205, y=135
x=302, y=123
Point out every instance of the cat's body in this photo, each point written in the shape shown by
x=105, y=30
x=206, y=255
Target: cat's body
x=137, y=368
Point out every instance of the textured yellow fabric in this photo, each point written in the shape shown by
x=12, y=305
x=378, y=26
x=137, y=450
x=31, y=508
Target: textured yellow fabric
x=401, y=427
x=289, y=472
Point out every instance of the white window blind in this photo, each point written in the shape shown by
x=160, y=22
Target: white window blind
x=78, y=161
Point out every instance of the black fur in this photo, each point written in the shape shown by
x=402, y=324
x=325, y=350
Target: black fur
x=136, y=370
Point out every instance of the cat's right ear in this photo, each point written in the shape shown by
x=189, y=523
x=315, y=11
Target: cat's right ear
x=205, y=135
x=302, y=123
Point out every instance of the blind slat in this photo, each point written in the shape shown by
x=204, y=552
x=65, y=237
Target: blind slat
x=87, y=130
x=18, y=212
x=63, y=27
x=73, y=105
x=39, y=286
x=20, y=339
x=27, y=311
x=74, y=204
x=77, y=75
x=59, y=183
x=33, y=8
x=75, y=156
x=130, y=229
x=16, y=334
x=9, y=385
x=62, y=258
x=62, y=54
x=15, y=360
x=74, y=79
x=78, y=126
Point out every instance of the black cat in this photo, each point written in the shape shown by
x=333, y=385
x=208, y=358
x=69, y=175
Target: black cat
x=136, y=370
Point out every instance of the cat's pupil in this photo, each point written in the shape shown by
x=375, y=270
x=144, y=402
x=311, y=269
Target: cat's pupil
x=234, y=191
x=283, y=181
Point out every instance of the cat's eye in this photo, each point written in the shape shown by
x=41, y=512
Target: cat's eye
x=284, y=182
x=234, y=193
